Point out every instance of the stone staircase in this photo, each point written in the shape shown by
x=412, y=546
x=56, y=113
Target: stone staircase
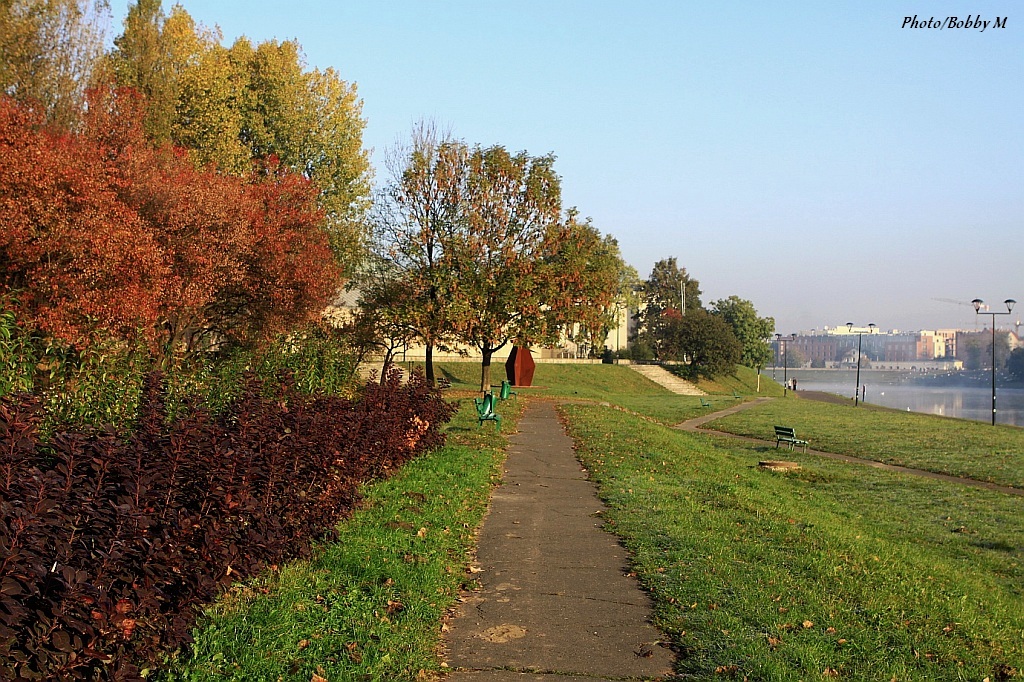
x=662, y=376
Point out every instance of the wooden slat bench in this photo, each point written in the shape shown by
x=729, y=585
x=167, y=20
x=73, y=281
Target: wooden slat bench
x=787, y=434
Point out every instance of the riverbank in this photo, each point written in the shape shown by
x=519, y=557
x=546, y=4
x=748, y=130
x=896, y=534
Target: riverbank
x=964, y=378
x=961, y=396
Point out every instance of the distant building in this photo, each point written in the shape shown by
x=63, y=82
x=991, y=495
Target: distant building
x=837, y=347
x=345, y=305
x=975, y=348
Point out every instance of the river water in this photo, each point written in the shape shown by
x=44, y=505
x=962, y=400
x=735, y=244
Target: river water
x=960, y=396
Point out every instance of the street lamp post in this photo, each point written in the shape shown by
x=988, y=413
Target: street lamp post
x=785, y=364
x=860, y=335
x=619, y=307
x=977, y=310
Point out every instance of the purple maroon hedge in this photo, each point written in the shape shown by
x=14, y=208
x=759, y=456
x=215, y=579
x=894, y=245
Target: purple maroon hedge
x=109, y=545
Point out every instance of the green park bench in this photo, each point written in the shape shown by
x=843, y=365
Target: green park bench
x=485, y=411
x=506, y=390
x=787, y=434
x=705, y=403
x=736, y=395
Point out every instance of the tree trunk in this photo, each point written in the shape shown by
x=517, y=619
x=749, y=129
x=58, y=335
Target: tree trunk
x=389, y=361
x=430, y=365
x=485, y=368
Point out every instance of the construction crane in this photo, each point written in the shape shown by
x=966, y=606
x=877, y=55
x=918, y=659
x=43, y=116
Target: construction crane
x=984, y=306
x=969, y=304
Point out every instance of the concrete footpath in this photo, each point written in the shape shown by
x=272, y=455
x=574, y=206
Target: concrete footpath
x=556, y=602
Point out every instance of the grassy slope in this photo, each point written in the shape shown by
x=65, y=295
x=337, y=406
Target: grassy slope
x=737, y=558
x=952, y=446
x=621, y=386
x=834, y=571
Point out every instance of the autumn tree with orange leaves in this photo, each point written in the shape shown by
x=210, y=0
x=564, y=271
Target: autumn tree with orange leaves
x=104, y=231
x=592, y=283
x=477, y=239
x=73, y=251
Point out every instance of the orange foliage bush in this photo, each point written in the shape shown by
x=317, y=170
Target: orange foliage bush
x=102, y=230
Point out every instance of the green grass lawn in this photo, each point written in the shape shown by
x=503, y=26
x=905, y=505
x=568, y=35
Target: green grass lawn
x=832, y=572
x=368, y=606
x=836, y=571
x=619, y=385
x=951, y=446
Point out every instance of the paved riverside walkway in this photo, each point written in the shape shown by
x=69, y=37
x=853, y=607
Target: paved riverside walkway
x=556, y=602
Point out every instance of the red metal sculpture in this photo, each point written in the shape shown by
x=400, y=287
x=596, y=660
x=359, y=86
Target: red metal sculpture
x=519, y=367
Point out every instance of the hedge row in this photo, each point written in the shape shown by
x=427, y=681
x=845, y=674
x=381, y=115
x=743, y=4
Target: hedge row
x=109, y=545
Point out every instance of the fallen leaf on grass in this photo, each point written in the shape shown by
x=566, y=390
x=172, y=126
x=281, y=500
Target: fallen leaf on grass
x=808, y=624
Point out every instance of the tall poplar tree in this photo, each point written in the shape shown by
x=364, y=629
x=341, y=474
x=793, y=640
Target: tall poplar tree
x=48, y=50
x=141, y=59
x=232, y=106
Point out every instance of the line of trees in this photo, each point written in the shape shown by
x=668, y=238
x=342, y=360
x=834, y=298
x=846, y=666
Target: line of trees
x=170, y=192
x=195, y=197
x=471, y=247
x=673, y=324
x=199, y=196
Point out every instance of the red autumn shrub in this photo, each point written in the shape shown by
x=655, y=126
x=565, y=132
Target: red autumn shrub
x=78, y=255
x=101, y=229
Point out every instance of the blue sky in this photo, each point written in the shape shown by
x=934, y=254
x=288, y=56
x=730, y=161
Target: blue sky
x=816, y=158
